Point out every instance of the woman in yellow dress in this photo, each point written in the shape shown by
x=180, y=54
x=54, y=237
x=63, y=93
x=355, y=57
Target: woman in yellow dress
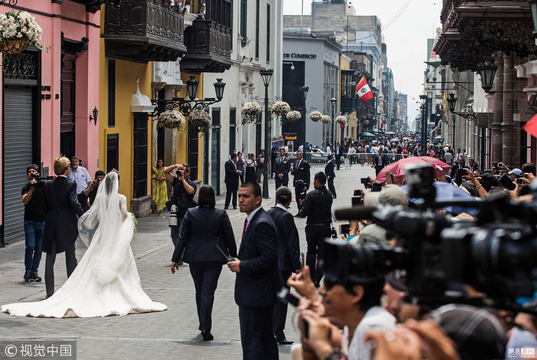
x=160, y=193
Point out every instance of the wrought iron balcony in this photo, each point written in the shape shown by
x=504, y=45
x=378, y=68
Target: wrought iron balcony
x=144, y=30
x=209, y=47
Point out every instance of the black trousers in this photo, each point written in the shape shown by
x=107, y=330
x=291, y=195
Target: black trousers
x=280, y=310
x=83, y=200
x=378, y=169
x=231, y=189
x=205, y=275
x=315, y=236
x=338, y=161
x=257, y=339
x=70, y=264
x=280, y=182
x=175, y=230
x=298, y=190
x=331, y=187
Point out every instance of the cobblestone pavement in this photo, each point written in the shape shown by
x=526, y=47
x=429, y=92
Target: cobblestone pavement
x=172, y=333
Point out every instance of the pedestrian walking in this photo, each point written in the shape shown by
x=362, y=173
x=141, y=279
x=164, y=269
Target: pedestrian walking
x=280, y=167
x=160, y=191
x=232, y=181
x=330, y=175
x=301, y=178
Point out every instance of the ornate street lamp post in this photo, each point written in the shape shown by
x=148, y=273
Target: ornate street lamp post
x=451, y=105
x=425, y=104
x=333, y=101
x=304, y=90
x=266, y=74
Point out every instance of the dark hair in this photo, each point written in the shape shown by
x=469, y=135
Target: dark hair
x=320, y=177
x=206, y=197
x=373, y=291
x=99, y=173
x=74, y=158
x=528, y=168
x=32, y=166
x=255, y=187
x=329, y=157
x=468, y=185
x=187, y=168
x=488, y=180
x=233, y=156
x=283, y=195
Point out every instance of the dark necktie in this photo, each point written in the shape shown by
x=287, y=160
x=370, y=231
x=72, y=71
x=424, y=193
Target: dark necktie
x=244, y=228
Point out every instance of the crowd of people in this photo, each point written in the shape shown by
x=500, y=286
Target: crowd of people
x=344, y=316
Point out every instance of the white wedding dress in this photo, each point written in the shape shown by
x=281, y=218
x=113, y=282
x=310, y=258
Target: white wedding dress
x=106, y=280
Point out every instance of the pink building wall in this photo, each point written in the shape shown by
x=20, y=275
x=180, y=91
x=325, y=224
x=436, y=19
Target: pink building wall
x=75, y=23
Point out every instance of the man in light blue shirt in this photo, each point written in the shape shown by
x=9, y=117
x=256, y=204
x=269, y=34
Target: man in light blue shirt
x=82, y=178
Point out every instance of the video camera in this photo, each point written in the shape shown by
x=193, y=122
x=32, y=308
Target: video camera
x=494, y=254
x=40, y=180
x=301, y=184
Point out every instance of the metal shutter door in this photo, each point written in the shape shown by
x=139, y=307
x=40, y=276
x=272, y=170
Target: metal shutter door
x=18, y=112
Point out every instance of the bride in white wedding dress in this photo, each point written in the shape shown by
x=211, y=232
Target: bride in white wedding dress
x=106, y=280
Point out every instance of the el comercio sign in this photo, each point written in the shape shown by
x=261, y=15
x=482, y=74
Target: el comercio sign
x=299, y=56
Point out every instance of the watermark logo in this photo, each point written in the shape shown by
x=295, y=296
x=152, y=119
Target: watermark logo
x=38, y=350
x=521, y=353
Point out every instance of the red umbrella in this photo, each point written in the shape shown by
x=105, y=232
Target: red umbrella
x=398, y=168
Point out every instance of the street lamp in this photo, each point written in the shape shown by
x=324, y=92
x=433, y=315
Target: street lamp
x=304, y=90
x=266, y=74
x=425, y=104
x=451, y=105
x=487, y=70
x=533, y=9
x=333, y=101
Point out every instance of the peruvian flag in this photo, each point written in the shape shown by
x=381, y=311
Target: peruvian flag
x=531, y=126
x=364, y=91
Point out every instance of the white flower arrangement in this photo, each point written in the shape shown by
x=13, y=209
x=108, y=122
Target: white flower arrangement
x=315, y=116
x=293, y=115
x=250, y=110
x=200, y=118
x=170, y=119
x=17, y=31
x=341, y=119
x=326, y=119
x=280, y=108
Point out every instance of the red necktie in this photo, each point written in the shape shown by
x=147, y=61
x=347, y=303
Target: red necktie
x=244, y=228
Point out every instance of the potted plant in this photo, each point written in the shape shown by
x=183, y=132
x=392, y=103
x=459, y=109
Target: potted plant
x=18, y=30
x=293, y=115
x=326, y=119
x=250, y=110
x=315, y=116
x=170, y=119
x=341, y=119
x=200, y=119
x=280, y=108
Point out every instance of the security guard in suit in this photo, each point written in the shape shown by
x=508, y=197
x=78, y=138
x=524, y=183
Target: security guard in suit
x=301, y=178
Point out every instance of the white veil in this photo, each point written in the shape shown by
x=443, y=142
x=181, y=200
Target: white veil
x=105, y=227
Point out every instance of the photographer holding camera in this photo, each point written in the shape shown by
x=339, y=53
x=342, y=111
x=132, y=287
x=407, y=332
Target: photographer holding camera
x=301, y=178
x=183, y=195
x=34, y=222
x=91, y=191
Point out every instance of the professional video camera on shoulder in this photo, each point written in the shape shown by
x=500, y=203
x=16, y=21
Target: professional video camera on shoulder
x=40, y=180
x=495, y=254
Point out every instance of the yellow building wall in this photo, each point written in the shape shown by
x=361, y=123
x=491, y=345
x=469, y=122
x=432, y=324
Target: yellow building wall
x=125, y=85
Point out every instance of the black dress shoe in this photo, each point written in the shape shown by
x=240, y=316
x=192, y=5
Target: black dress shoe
x=226, y=208
x=234, y=208
x=35, y=278
x=284, y=342
x=27, y=276
x=207, y=336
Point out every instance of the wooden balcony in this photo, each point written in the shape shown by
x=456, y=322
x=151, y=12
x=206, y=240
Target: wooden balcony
x=144, y=30
x=208, y=46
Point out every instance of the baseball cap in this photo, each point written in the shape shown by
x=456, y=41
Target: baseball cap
x=516, y=171
x=397, y=280
x=393, y=195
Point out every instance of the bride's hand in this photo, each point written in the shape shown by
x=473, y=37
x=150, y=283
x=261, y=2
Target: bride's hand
x=175, y=266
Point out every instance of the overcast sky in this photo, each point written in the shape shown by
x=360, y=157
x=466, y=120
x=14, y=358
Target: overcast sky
x=406, y=37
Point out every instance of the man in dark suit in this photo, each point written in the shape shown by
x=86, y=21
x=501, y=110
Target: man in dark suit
x=281, y=168
x=61, y=221
x=339, y=153
x=330, y=175
x=301, y=177
x=288, y=254
x=232, y=180
x=379, y=162
x=257, y=276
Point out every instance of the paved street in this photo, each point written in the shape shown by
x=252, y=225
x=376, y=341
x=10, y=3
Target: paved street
x=169, y=334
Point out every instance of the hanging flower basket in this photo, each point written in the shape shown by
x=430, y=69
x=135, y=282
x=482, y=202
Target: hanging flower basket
x=326, y=119
x=200, y=119
x=293, y=115
x=170, y=119
x=250, y=110
x=280, y=108
x=315, y=116
x=18, y=30
x=341, y=120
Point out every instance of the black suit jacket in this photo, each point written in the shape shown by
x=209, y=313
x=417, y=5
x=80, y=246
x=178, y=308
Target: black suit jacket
x=258, y=280
x=288, y=243
x=279, y=168
x=302, y=173
x=199, y=240
x=61, y=221
x=329, y=169
x=376, y=160
x=231, y=177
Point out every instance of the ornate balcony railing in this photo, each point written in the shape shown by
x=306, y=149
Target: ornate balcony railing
x=208, y=47
x=144, y=30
